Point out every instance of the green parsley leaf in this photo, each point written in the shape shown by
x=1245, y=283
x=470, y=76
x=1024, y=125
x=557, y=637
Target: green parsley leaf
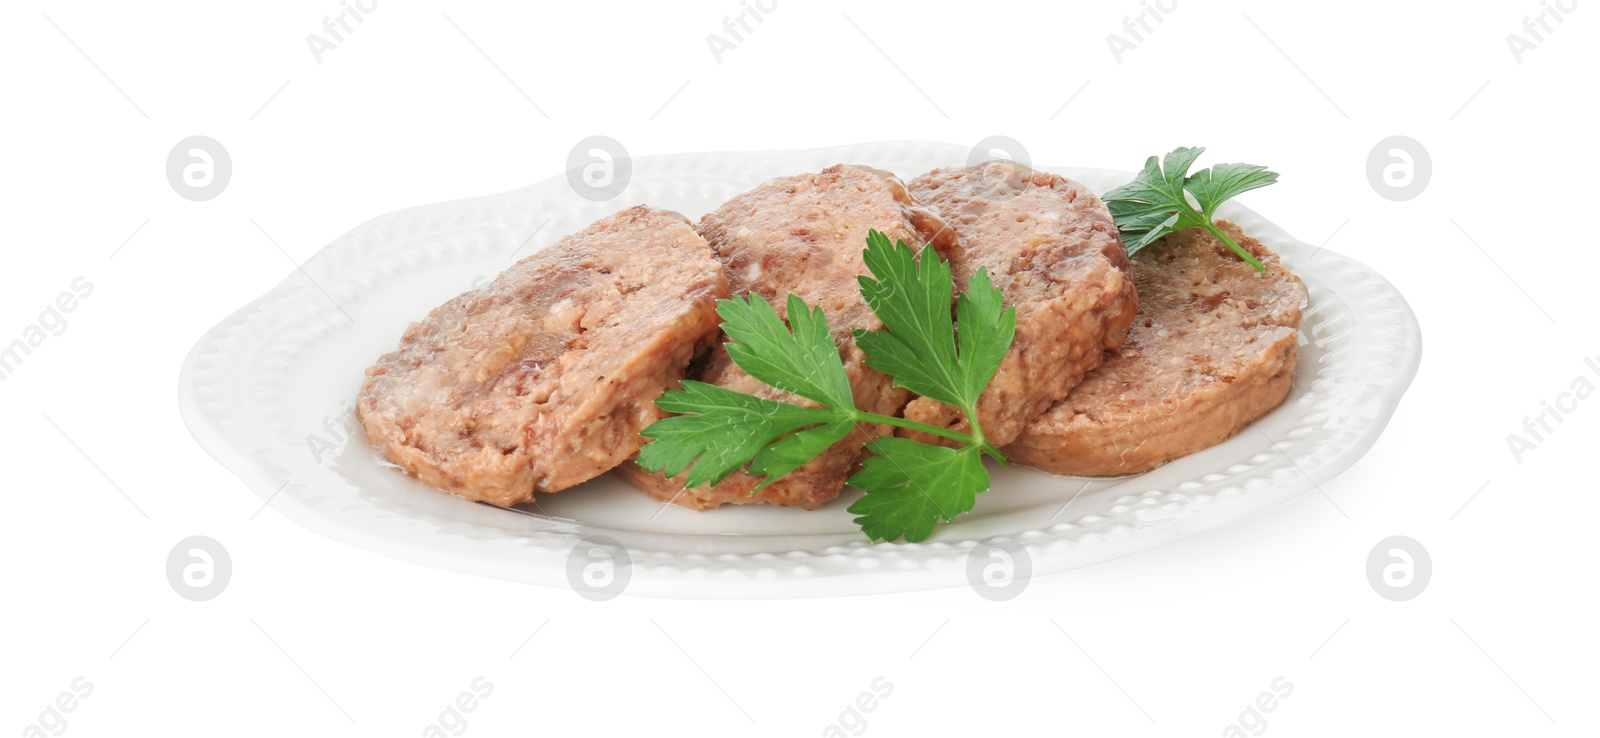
x=794, y=450
x=719, y=430
x=805, y=361
x=1223, y=182
x=1154, y=204
x=912, y=485
x=918, y=343
x=986, y=329
x=911, y=296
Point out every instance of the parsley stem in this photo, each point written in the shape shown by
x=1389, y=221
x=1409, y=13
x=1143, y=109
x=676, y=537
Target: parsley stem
x=1215, y=231
x=977, y=434
x=934, y=430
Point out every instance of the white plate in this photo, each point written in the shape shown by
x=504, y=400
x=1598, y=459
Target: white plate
x=267, y=391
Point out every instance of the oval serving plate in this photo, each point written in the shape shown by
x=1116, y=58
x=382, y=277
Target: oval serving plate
x=269, y=393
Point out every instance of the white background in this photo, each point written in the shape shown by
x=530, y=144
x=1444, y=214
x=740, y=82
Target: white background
x=317, y=637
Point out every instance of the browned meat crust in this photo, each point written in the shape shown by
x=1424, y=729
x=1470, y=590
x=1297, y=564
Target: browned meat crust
x=804, y=235
x=544, y=378
x=1055, y=253
x=1212, y=350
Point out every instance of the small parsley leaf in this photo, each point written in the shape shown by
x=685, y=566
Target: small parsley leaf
x=911, y=296
x=1154, y=204
x=804, y=361
x=1223, y=182
x=918, y=343
x=986, y=328
x=719, y=430
x=910, y=486
x=794, y=450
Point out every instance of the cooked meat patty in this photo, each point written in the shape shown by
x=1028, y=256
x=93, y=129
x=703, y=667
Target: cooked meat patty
x=1055, y=253
x=544, y=378
x=805, y=235
x=1212, y=350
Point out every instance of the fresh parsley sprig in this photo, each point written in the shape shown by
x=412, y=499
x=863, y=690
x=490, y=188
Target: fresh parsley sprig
x=1154, y=204
x=909, y=485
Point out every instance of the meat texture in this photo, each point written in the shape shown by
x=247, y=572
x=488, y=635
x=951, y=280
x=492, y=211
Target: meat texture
x=1054, y=252
x=1213, y=350
x=544, y=378
x=805, y=235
